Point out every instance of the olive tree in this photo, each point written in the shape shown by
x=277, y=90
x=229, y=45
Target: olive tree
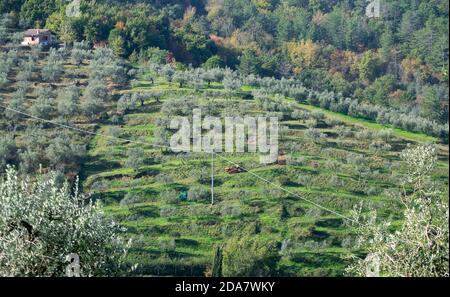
x=420, y=246
x=168, y=72
x=42, y=223
x=199, y=194
x=231, y=84
x=42, y=108
x=26, y=69
x=3, y=34
x=249, y=257
x=79, y=53
x=11, y=114
x=62, y=152
x=94, y=97
x=67, y=101
x=314, y=135
x=181, y=77
x=161, y=138
x=123, y=104
x=208, y=76
x=3, y=79
x=135, y=158
x=29, y=160
x=8, y=151
x=54, y=68
x=155, y=95
x=102, y=61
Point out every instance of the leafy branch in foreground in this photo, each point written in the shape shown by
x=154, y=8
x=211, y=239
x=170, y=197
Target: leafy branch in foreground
x=42, y=223
x=420, y=246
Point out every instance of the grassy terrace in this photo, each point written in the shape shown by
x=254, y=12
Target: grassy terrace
x=175, y=237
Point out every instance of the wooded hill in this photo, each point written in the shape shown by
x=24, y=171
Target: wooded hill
x=399, y=60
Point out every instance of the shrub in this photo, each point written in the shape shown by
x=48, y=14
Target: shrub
x=8, y=151
x=314, y=135
x=62, y=152
x=379, y=147
x=203, y=176
x=130, y=199
x=305, y=180
x=54, y=68
x=169, y=196
x=164, y=178
x=311, y=123
x=299, y=114
x=135, y=158
x=247, y=256
x=333, y=166
x=317, y=115
x=67, y=101
x=41, y=224
x=231, y=210
x=199, y=194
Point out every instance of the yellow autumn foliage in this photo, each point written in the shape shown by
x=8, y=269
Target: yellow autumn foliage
x=302, y=54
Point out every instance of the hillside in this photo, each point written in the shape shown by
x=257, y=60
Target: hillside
x=399, y=59
x=337, y=170
x=354, y=99
x=333, y=161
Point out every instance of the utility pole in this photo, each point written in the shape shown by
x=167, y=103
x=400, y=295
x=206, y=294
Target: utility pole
x=212, y=177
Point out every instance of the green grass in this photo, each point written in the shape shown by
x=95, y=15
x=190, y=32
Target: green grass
x=197, y=226
x=411, y=136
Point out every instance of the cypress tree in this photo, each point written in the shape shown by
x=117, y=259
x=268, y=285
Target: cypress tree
x=217, y=263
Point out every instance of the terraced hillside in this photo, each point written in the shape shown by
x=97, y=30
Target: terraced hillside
x=91, y=185
x=163, y=198
x=75, y=111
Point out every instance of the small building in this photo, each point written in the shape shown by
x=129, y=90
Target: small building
x=38, y=37
x=100, y=44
